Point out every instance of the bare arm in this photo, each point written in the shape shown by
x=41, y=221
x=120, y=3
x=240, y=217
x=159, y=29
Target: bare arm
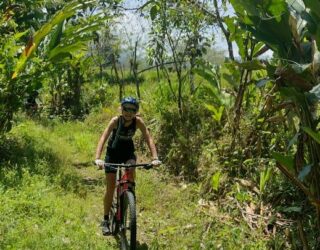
x=147, y=137
x=112, y=124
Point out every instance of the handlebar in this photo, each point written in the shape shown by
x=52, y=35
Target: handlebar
x=126, y=166
x=116, y=166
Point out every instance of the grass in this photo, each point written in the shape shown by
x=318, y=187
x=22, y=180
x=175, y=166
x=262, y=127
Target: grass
x=39, y=216
x=47, y=205
x=172, y=217
x=55, y=202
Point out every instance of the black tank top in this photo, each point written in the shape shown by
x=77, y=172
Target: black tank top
x=121, y=136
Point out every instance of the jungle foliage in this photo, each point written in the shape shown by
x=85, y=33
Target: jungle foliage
x=245, y=129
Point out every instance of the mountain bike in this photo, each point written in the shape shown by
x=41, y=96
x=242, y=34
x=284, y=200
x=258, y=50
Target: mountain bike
x=122, y=216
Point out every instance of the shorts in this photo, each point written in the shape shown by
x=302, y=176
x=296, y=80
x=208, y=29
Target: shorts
x=111, y=157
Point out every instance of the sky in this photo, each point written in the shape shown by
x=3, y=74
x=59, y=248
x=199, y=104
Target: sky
x=134, y=27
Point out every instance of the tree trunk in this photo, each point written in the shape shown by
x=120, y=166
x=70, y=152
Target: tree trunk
x=114, y=67
x=135, y=69
x=224, y=30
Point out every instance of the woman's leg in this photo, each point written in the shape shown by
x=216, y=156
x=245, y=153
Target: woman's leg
x=132, y=172
x=108, y=196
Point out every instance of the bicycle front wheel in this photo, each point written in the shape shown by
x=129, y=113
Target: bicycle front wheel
x=129, y=221
x=114, y=225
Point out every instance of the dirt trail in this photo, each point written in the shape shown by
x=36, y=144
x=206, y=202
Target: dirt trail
x=166, y=212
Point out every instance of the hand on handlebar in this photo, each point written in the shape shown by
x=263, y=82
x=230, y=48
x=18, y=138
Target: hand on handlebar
x=99, y=163
x=156, y=162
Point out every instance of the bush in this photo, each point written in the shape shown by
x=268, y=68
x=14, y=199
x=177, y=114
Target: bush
x=182, y=134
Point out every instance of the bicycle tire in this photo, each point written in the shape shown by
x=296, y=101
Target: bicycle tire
x=128, y=234
x=114, y=225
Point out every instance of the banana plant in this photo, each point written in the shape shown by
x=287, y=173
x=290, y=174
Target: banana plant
x=68, y=11
x=291, y=30
x=67, y=50
x=15, y=80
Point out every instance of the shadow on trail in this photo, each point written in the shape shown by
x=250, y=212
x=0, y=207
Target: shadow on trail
x=82, y=164
x=139, y=246
x=142, y=246
x=24, y=155
x=91, y=182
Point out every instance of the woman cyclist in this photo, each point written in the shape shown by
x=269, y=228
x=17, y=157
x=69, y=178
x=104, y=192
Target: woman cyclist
x=120, y=149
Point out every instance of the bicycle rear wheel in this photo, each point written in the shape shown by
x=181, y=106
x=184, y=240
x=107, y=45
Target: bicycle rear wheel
x=128, y=234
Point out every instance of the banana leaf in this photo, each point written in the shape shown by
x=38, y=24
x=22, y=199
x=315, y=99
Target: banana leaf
x=66, y=50
x=268, y=21
x=56, y=36
x=68, y=11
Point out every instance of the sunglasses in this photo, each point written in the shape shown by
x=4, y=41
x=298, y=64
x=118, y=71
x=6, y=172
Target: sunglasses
x=129, y=110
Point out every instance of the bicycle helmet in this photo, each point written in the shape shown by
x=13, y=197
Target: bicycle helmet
x=130, y=100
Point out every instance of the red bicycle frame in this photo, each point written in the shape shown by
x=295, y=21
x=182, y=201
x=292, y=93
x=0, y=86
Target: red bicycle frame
x=123, y=184
x=124, y=205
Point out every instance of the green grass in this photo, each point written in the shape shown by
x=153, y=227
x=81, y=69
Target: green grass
x=39, y=216
x=55, y=202
x=45, y=202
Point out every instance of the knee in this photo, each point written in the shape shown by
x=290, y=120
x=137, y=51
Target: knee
x=110, y=181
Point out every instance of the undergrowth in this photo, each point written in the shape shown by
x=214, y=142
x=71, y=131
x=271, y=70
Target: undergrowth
x=198, y=201
x=61, y=208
